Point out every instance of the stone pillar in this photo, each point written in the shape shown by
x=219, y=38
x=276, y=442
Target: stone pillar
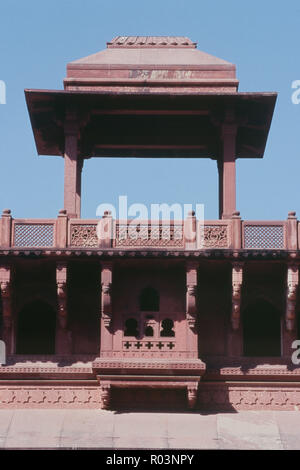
x=106, y=343
x=6, y=298
x=190, y=228
x=191, y=307
x=62, y=229
x=63, y=335
x=105, y=230
x=289, y=330
x=73, y=167
x=292, y=231
x=235, y=337
x=226, y=167
x=236, y=235
x=5, y=228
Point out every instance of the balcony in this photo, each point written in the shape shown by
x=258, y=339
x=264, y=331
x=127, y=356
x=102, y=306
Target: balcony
x=188, y=234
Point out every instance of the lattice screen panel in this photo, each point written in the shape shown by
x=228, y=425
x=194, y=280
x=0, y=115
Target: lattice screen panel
x=264, y=236
x=34, y=235
x=84, y=235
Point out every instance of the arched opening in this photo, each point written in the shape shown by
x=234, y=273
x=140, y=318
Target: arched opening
x=167, y=328
x=36, y=329
x=149, y=331
x=261, y=330
x=131, y=327
x=149, y=300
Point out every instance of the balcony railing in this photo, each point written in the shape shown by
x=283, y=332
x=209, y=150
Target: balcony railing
x=190, y=233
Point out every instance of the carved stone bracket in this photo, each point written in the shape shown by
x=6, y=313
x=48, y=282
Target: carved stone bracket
x=105, y=393
x=237, y=282
x=61, y=283
x=106, y=300
x=291, y=296
x=192, y=395
x=191, y=294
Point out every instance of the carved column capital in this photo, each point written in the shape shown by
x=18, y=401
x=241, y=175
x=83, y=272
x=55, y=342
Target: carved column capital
x=237, y=282
x=291, y=295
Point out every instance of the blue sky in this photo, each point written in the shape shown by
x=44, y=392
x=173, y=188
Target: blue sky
x=38, y=38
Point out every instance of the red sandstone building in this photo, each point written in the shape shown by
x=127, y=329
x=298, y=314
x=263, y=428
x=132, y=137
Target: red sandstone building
x=149, y=320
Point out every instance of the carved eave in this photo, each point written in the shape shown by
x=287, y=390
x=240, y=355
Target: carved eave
x=130, y=114
x=218, y=254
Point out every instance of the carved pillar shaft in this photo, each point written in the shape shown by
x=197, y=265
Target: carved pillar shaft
x=227, y=171
x=106, y=307
x=5, y=228
x=235, y=340
x=6, y=297
x=289, y=330
x=73, y=167
x=191, y=307
x=63, y=336
x=291, y=296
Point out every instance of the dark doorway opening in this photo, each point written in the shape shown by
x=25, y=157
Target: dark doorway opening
x=262, y=330
x=36, y=329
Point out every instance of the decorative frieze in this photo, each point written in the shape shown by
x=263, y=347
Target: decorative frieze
x=248, y=397
x=149, y=235
x=50, y=397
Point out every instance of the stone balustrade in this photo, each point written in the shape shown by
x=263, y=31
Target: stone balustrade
x=231, y=234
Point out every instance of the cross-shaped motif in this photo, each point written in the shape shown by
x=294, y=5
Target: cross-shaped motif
x=149, y=345
x=138, y=345
x=171, y=345
x=127, y=345
x=160, y=345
